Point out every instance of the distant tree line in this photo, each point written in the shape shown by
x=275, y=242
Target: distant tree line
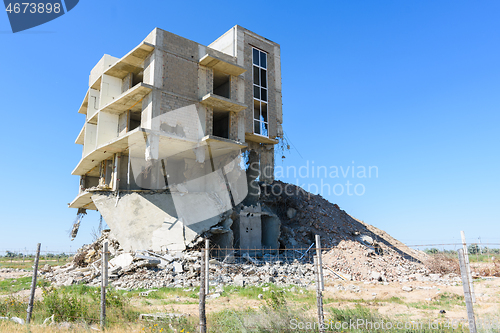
x=471, y=249
x=9, y=254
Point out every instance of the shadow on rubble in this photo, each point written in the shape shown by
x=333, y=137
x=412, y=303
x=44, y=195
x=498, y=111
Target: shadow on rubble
x=304, y=215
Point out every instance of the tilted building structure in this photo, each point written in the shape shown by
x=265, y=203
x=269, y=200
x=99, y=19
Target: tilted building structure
x=165, y=128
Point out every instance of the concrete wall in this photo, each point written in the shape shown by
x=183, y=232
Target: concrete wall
x=271, y=226
x=93, y=103
x=103, y=64
x=250, y=231
x=111, y=88
x=151, y=221
x=226, y=42
x=107, y=127
x=123, y=122
x=90, y=139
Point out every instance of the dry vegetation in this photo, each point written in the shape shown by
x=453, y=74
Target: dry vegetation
x=490, y=270
x=442, y=264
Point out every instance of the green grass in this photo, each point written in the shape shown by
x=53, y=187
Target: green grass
x=278, y=311
x=74, y=303
x=10, y=286
x=27, y=263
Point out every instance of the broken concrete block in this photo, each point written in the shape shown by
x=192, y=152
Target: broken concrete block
x=122, y=260
x=160, y=316
x=214, y=262
x=239, y=280
x=407, y=288
x=17, y=320
x=212, y=296
x=167, y=257
x=147, y=263
x=68, y=282
x=367, y=240
x=49, y=319
x=178, y=267
x=376, y=276
x=146, y=293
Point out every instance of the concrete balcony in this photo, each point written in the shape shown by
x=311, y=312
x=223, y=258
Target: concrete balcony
x=129, y=100
x=132, y=62
x=81, y=136
x=83, y=200
x=219, y=103
x=169, y=145
x=260, y=138
x=219, y=64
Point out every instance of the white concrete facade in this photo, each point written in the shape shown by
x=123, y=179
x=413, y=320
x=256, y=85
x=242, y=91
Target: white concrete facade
x=169, y=118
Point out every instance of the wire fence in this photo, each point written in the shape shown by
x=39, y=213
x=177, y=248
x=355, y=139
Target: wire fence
x=17, y=258
x=121, y=312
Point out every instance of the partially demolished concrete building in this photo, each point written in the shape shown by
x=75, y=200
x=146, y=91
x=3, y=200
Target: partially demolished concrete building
x=177, y=136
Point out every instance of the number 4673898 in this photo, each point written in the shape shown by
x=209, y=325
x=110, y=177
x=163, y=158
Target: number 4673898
x=33, y=8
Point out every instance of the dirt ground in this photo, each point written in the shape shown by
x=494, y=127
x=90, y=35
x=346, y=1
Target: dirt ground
x=388, y=299
x=424, y=302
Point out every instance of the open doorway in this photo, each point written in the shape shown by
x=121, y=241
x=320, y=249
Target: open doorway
x=221, y=124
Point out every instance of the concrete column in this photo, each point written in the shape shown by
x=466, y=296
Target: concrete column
x=209, y=122
x=233, y=83
x=233, y=126
x=127, y=82
x=253, y=172
x=116, y=172
x=267, y=164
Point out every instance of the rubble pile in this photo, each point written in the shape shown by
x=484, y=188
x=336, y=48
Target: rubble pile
x=304, y=215
x=149, y=270
x=358, y=250
x=359, y=261
x=352, y=250
x=90, y=254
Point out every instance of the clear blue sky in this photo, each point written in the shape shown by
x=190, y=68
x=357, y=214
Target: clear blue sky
x=411, y=87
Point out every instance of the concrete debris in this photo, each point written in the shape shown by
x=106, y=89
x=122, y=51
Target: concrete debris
x=160, y=316
x=123, y=260
x=49, y=320
x=17, y=320
x=362, y=264
x=76, y=225
x=291, y=212
x=146, y=293
x=291, y=217
x=178, y=267
x=241, y=273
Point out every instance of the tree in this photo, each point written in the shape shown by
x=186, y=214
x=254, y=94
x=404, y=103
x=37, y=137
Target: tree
x=473, y=249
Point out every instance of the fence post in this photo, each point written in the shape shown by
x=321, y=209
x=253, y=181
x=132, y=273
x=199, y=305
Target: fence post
x=467, y=292
x=33, y=284
x=319, y=296
x=320, y=261
x=203, y=319
x=104, y=281
x=467, y=264
x=207, y=272
x=320, y=286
